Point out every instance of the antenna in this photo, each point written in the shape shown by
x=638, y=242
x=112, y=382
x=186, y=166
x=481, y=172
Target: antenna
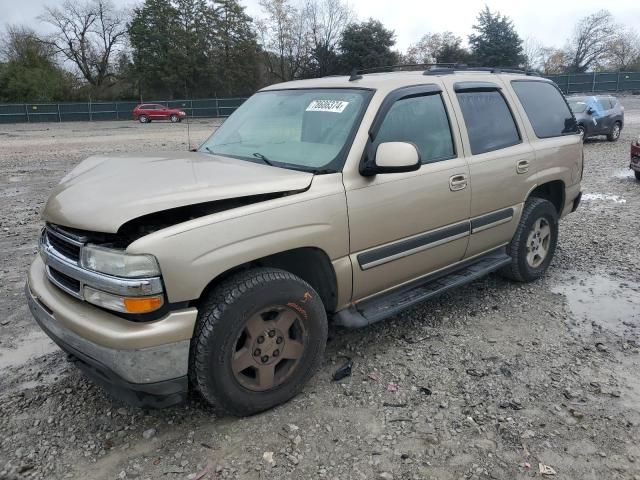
x=188, y=131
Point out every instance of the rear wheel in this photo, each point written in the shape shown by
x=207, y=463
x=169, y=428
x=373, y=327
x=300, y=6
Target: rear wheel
x=534, y=242
x=143, y=119
x=260, y=336
x=637, y=175
x=615, y=132
x=174, y=118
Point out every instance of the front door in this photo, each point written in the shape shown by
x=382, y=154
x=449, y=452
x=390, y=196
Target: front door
x=406, y=225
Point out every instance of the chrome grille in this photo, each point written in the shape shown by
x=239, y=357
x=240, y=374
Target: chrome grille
x=63, y=246
x=64, y=281
x=61, y=252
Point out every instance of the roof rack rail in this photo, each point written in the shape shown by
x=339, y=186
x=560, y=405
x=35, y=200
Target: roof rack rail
x=436, y=69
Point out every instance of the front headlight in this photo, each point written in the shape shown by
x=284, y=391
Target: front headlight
x=136, y=305
x=119, y=263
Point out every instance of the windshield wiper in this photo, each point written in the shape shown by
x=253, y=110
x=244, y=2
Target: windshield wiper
x=263, y=158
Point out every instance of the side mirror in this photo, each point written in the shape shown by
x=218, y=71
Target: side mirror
x=393, y=157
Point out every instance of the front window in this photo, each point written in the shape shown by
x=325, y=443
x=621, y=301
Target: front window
x=577, y=106
x=307, y=129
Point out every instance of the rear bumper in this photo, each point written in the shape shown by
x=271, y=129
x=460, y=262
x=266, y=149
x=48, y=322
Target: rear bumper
x=153, y=374
x=635, y=158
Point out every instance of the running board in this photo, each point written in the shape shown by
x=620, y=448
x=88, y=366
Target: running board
x=388, y=304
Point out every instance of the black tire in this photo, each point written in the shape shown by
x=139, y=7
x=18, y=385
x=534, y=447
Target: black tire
x=615, y=132
x=520, y=268
x=174, y=118
x=222, y=319
x=144, y=119
x=637, y=175
x=583, y=132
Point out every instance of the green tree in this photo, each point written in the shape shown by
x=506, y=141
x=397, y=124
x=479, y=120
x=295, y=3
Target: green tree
x=151, y=35
x=235, y=53
x=30, y=72
x=192, y=50
x=495, y=43
x=367, y=44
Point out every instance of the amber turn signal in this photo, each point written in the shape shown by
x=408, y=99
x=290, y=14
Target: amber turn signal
x=142, y=304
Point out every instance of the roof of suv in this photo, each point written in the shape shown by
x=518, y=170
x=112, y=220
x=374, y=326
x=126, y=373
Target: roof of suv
x=391, y=80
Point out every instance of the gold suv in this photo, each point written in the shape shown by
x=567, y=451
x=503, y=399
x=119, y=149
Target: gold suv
x=341, y=199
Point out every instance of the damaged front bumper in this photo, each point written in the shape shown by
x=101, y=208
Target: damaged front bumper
x=143, y=363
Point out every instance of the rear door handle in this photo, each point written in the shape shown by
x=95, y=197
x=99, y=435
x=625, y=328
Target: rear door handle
x=457, y=182
x=522, y=166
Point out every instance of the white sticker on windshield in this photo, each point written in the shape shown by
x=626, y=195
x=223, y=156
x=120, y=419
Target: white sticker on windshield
x=334, y=106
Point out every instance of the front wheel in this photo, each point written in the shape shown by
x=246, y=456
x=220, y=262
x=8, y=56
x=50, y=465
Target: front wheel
x=534, y=243
x=260, y=336
x=637, y=175
x=174, y=118
x=615, y=132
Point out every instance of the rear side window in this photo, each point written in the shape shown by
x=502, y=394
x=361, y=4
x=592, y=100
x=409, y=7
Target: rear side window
x=546, y=108
x=422, y=121
x=608, y=103
x=489, y=122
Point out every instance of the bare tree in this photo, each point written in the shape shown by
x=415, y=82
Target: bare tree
x=624, y=50
x=19, y=41
x=285, y=38
x=590, y=41
x=553, y=60
x=533, y=53
x=89, y=34
x=327, y=19
x=442, y=47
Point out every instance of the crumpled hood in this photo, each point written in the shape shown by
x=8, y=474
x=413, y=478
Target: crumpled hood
x=104, y=192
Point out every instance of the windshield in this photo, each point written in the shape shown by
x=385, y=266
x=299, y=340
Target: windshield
x=301, y=129
x=577, y=106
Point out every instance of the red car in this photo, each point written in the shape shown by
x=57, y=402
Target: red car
x=151, y=111
x=635, y=157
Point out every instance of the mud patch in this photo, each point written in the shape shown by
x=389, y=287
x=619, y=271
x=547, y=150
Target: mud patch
x=602, y=303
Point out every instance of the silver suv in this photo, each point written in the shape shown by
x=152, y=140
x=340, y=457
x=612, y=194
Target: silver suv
x=342, y=199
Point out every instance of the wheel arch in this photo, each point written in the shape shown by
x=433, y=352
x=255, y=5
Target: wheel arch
x=311, y=264
x=553, y=191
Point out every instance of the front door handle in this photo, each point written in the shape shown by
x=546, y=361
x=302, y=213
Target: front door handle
x=522, y=166
x=457, y=182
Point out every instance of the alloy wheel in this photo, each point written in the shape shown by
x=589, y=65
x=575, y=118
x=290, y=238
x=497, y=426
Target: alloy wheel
x=269, y=348
x=538, y=242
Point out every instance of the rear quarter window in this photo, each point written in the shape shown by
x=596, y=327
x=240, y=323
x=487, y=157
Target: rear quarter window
x=546, y=108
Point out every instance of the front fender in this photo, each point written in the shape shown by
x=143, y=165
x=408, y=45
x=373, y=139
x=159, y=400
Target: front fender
x=193, y=253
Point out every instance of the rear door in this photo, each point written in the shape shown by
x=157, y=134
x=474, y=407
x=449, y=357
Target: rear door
x=608, y=114
x=501, y=161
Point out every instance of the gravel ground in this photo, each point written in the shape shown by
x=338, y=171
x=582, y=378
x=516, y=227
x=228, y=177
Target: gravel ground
x=486, y=382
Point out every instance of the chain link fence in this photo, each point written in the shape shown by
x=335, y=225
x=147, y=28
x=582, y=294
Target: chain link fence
x=600, y=82
x=223, y=107
x=95, y=111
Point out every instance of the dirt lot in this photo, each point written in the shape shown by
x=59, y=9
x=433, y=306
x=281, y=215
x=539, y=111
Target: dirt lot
x=486, y=382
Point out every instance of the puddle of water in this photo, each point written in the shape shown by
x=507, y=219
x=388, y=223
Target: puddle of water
x=601, y=302
x=624, y=173
x=35, y=344
x=589, y=197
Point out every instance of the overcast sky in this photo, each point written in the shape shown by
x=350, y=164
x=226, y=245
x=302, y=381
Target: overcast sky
x=550, y=21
